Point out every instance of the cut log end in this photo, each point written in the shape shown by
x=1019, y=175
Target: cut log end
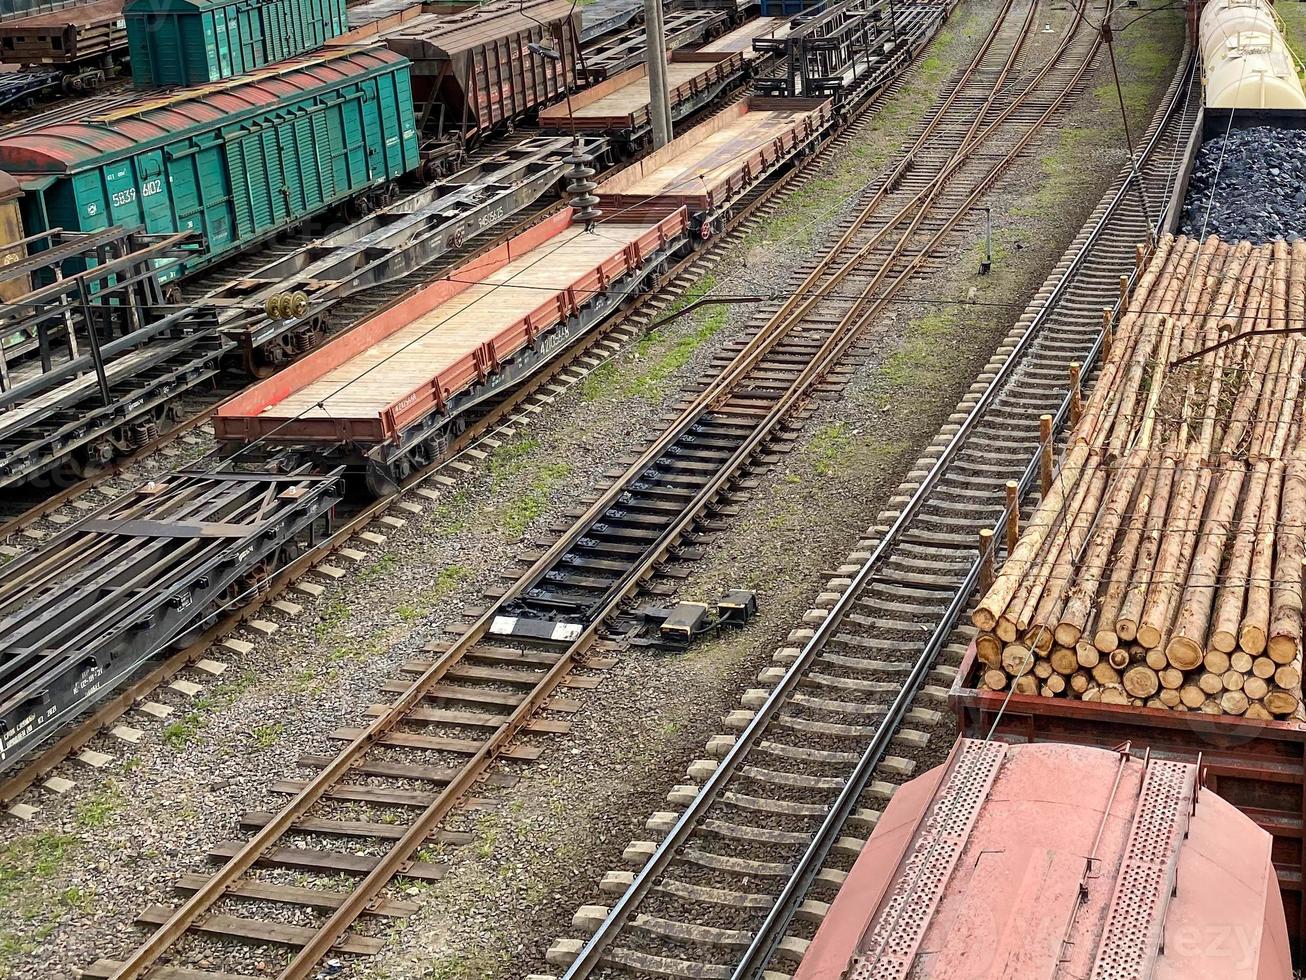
x=1182, y=652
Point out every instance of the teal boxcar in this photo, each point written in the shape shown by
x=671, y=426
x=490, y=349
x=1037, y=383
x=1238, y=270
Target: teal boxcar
x=237, y=161
x=194, y=42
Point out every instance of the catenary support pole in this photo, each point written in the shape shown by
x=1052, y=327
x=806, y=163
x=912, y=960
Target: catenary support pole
x=656, y=54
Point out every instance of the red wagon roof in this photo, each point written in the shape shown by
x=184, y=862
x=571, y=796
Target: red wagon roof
x=1033, y=861
x=100, y=130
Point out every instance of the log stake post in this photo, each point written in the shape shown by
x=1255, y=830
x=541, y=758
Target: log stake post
x=1045, y=453
x=1013, y=515
x=986, y=559
x=1124, y=290
x=1076, y=394
x=1140, y=256
x=1107, y=332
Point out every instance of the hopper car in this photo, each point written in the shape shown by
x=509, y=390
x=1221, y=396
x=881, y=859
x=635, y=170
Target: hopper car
x=391, y=395
x=145, y=573
x=474, y=67
x=991, y=845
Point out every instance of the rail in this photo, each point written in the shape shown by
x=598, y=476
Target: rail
x=770, y=933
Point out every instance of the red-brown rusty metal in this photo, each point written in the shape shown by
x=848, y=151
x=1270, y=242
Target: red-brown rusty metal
x=1053, y=860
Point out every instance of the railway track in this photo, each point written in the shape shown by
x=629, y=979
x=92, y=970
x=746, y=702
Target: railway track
x=567, y=369
x=480, y=439
x=508, y=673
x=764, y=830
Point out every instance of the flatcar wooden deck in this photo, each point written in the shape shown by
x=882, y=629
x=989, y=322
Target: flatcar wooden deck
x=621, y=103
x=416, y=357
x=369, y=383
x=713, y=156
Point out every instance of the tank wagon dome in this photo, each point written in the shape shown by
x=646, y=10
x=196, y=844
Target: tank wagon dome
x=1041, y=860
x=72, y=139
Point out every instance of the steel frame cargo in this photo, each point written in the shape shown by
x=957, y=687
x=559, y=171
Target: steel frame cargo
x=393, y=415
x=81, y=613
x=710, y=167
x=624, y=51
x=1259, y=767
x=619, y=107
x=65, y=36
x=106, y=357
x=195, y=42
x=236, y=162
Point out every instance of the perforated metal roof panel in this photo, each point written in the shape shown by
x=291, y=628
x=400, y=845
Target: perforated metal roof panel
x=1056, y=862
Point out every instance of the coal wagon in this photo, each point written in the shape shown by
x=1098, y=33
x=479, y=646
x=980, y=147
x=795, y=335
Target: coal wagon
x=237, y=162
x=195, y=42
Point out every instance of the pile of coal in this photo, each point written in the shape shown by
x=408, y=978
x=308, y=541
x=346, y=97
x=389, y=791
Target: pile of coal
x=1249, y=184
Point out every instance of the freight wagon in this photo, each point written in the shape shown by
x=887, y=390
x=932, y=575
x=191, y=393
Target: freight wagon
x=236, y=162
x=1258, y=766
x=194, y=42
x=477, y=68
x=392, y=393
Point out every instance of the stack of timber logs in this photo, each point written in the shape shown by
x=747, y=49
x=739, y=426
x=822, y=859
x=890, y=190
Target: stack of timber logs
x=1163, y=565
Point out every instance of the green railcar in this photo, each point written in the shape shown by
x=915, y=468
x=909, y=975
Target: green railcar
x=194, y=42
x=237, y=161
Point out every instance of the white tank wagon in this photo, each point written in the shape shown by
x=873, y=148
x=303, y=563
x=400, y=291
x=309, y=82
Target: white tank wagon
x=1246, y=62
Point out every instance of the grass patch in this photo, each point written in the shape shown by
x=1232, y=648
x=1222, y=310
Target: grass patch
x=333, y=615
x=97, y=808
x=467, y=966
x=266, y=736
x=829, y=448
x=522, y=510
x=25, y=864
x=186, y=729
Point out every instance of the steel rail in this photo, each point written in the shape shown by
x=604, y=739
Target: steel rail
x=145, y=956
x=772, y=930
x=48, y=759
x=591, y=954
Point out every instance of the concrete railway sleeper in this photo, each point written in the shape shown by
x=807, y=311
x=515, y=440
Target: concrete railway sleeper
x=770, y=819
